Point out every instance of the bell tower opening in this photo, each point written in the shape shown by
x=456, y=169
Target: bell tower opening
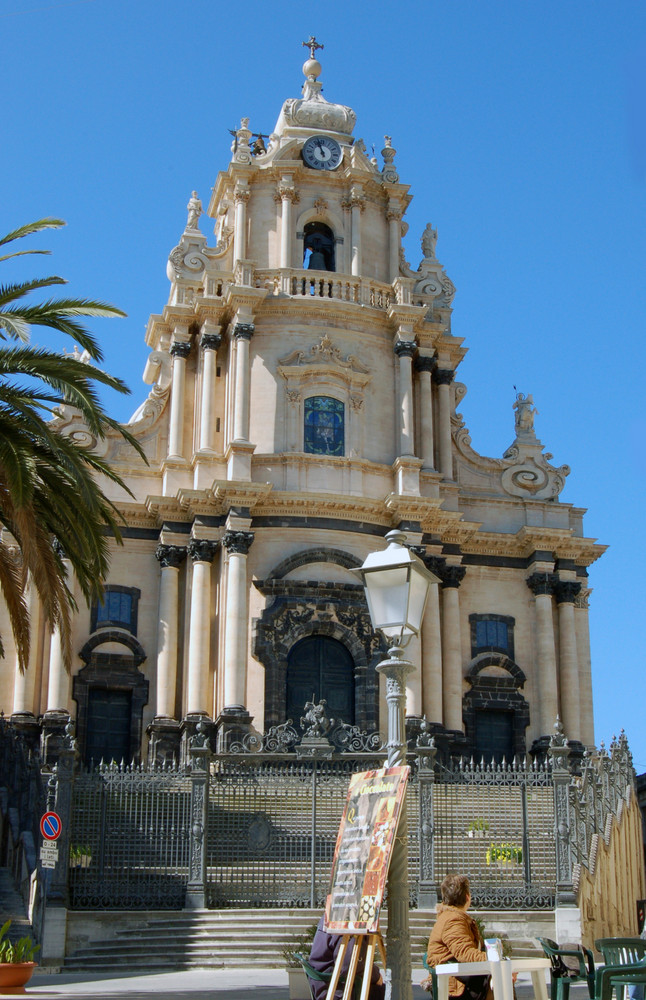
x=318, y=247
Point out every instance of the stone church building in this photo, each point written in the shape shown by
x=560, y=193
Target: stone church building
x=304, y=382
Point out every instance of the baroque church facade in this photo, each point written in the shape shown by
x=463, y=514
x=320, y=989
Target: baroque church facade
x=303, y=401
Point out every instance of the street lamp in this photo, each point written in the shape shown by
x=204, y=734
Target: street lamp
x=396, y=584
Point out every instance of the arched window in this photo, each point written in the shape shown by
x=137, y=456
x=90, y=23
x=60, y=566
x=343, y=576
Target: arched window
x=322, y=667
x=324, y=426
x=318, y=247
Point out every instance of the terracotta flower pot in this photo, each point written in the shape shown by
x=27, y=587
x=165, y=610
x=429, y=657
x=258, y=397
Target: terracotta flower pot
x=14, y=975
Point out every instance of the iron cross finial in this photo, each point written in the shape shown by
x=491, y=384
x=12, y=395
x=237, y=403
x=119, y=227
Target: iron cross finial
x=313, y=45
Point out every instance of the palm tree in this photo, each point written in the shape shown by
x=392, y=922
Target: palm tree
x=51, y=506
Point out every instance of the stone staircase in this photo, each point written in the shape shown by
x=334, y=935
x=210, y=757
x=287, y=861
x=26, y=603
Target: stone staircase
x=246, y=938
x=13, y=908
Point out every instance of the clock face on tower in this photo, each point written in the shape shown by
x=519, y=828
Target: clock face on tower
x=322, y=152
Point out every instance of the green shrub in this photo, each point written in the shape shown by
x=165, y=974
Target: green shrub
x=13, y=952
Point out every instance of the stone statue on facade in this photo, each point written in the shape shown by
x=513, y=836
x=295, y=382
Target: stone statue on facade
x=429, y=242
x=194, y=208
x=525, y=413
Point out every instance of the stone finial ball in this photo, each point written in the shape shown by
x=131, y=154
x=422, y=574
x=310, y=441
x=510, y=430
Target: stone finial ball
x=312, y=68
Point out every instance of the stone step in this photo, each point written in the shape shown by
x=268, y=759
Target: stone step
x=13, y=908
x=230, y=939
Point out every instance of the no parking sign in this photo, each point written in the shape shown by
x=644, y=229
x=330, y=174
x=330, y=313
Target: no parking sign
x=50, y=826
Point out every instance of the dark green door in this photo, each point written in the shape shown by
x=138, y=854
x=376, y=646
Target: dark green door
x=494, y=735
x=108, y=726
x=321, y=667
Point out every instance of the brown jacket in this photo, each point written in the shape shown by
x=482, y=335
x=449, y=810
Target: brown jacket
x=455, y=938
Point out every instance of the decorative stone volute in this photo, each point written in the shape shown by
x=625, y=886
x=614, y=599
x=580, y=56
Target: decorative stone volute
x=529, y=473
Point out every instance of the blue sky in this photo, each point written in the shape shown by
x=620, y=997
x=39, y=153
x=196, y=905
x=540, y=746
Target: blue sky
x=521, y=128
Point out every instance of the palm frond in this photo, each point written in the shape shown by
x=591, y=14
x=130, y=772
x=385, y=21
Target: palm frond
x=32, y=227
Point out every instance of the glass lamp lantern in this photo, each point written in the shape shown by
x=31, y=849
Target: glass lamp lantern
x=396, y=583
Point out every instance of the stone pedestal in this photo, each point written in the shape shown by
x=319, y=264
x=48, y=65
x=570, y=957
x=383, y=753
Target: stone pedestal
x=52, y=736
x=232, y=725
x=27, y=727
x=164, y=736
x=188, y=728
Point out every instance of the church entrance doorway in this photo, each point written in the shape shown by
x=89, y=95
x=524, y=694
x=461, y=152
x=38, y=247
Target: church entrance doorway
x=109, y=716
x=320, y=667
x=494, y=736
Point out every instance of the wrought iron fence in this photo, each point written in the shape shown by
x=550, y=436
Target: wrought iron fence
x=257, y=825
x=493, y=822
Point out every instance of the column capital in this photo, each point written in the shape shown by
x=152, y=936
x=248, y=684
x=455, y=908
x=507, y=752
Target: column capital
x=243, y=331
x=241, y=194
x=541, y=583
x=443, y=376
x=237, y=542
x=210, y=341
x=425, y=364
x=451, y=576
x=566, y=591
x=170, y=555
x=180, y=349
x=202, y=549
x=405, y=348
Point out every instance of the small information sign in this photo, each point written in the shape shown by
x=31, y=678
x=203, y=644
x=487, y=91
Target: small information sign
x=49, y=851
x=47, y=863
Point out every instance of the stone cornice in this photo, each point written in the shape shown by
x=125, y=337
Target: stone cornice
x=327, y=505
x=137, y=515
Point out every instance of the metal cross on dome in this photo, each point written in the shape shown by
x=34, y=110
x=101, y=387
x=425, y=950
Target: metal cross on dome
x=313, y=45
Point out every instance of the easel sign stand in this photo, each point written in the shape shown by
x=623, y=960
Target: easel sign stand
x=368, y=941
x=361, y=859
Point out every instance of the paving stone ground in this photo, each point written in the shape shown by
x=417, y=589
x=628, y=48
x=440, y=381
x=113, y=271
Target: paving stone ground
x=270, y=984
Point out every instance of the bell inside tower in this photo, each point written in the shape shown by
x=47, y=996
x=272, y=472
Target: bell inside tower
x=318, y=247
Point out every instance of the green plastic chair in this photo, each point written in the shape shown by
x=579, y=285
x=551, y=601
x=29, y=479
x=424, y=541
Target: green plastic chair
x=621, y=951
x=563, y=975
x=433, y=975
x=625, y=965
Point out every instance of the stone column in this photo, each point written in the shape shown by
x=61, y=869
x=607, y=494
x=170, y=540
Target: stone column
x=585, y=667
x=180, y=350
x=357, y=203
x=405, y=350
x=394, y=217
x=566, y=593
x=425, y=366
x=237, y=544
x=241, y=197
x=170, y=559
x=542, y=587
x=443, y=378
x=452, y=577
x=242, y=332
x=24, y=686
x=210, y=342
x=432, y=657
x=288, y=196
x=199, y=699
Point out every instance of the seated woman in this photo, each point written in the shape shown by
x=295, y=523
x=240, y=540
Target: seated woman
x=456, y=938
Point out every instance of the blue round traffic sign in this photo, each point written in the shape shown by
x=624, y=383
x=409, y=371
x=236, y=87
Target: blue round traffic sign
x=51, y=826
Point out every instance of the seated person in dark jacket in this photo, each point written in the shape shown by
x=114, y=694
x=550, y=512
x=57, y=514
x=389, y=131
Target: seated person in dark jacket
x=325, y=948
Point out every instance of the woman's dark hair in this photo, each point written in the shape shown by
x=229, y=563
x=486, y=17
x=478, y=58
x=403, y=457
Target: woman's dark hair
x=455, y=889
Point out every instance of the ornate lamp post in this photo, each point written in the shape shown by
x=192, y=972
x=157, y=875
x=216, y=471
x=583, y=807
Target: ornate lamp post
x=396, y=583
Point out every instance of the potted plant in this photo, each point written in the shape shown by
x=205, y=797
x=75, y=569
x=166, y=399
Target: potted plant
x=477, y=827
x=504, y=855
x=16, y=959
x=80, y=856
x=298, y=985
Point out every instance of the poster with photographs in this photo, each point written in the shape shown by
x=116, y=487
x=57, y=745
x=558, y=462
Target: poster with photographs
x=363, y=848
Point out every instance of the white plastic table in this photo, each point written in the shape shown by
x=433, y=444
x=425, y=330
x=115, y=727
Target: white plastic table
x=501, y=975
